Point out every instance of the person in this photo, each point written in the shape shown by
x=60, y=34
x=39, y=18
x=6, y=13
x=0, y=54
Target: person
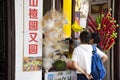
x=82, y=56
x=95, y=40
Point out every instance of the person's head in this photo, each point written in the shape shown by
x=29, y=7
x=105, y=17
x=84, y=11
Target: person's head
x=85, y=37
x=95, y=39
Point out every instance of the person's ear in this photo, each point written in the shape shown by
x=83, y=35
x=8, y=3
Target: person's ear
x=91, y=41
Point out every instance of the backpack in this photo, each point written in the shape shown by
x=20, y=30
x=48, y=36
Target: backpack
x=98, y=71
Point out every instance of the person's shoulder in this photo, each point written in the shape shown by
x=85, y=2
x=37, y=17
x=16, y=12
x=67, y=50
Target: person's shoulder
x=85, y=46
x=79, y=46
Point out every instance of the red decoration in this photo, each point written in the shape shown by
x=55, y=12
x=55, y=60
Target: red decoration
x=106, y=26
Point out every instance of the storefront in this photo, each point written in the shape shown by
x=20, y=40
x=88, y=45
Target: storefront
x=15, y=17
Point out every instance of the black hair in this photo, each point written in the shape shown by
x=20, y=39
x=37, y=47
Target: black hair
x=85, y=37
x=96, y=38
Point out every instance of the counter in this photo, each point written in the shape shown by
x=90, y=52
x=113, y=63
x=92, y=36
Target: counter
x=61, y=75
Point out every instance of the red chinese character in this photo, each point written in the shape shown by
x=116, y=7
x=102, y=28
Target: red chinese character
x=33, y=13
x=33, y=48
x=33, y=37
x=33, y=3
x=33, y=25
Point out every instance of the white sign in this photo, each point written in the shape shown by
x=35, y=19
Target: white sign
x=28, y=14
x=61, y=75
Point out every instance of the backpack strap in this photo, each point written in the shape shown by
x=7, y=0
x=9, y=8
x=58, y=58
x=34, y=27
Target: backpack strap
x=94, y=49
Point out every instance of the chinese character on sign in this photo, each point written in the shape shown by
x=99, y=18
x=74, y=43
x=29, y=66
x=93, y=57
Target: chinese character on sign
x=33, y=48
x=33, y=13
x=33, y=25
x=33, y=37
x=33, y=3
